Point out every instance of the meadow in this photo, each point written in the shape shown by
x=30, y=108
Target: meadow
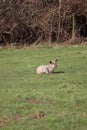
x=55, y=101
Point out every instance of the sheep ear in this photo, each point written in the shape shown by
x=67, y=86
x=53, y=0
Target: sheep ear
x=50, y=62
x=56, y=60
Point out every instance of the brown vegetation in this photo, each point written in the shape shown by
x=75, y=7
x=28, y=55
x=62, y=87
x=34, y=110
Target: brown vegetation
x=32, y=21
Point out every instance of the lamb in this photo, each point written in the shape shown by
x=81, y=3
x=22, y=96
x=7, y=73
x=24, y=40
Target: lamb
x=46, y=69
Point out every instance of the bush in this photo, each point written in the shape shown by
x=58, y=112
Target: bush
x=32, y=21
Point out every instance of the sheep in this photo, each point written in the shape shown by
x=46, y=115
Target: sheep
x=47, y=69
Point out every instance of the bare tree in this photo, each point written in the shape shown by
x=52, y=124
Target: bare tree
x=33, y=21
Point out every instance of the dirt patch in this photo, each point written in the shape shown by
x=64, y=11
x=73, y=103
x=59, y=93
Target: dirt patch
x=3, y=121
x=15, y=117
x=39, y=115
x=19, y=98
x=33, y=101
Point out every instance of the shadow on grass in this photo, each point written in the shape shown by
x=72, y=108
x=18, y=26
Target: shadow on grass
x=59, y=72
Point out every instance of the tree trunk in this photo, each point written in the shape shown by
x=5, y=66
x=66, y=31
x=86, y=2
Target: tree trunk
x=73, y=26
x=59, y=23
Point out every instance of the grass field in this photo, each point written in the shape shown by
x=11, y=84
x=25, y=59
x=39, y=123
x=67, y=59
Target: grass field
x=43, y=102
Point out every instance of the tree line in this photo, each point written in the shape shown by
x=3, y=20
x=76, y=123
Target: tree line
x=33, y=21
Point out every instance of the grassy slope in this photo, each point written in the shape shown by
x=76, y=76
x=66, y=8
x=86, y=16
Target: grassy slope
x=43, y=102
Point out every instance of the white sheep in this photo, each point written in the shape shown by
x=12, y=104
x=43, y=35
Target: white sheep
x=46, y=69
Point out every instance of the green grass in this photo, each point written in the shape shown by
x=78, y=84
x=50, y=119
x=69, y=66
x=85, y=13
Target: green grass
x=43, y=102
